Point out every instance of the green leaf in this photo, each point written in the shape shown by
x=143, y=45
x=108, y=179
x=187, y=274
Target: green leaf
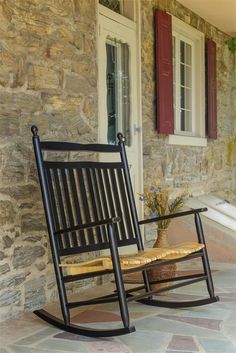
x=231, y=45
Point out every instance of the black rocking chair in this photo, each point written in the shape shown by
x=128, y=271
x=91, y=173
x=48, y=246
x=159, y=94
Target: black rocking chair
x=89, y=206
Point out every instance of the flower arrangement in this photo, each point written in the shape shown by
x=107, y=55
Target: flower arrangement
x=157, y=199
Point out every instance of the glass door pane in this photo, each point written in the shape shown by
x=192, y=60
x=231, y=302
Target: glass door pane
x=118, y=90
x=111, y=92
x=113, y=5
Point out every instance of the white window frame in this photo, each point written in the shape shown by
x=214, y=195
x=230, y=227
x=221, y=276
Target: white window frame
x=185, y=32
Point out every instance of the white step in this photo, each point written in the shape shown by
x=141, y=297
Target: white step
x=222, y=215
x=218, y=204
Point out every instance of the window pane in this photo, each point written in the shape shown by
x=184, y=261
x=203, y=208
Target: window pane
x=182, y=120
x=111, y=92
x=182, y=97
x=185, y=120
x=182, y=51
x=185, y=53
x=188, y=99
x=188, y=76
x=185, y=75
x=186, y=109
x=113, y=5
x=188, y=121
x=188, y=54
x=118, y=90
x=182, y=74
x=125, y=95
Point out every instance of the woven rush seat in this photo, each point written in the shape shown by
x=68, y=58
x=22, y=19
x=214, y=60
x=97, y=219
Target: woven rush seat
x=134, y=260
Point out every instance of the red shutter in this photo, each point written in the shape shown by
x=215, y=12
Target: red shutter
x=164, y=73
x=211, y=89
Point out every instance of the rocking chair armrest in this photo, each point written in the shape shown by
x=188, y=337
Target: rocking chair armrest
x=103, y=222
x=173, y=215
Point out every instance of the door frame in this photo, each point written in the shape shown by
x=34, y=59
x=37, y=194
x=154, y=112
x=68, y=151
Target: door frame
x=136, y=25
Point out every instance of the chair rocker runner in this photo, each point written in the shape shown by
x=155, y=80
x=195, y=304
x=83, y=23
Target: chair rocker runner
x=89, y=206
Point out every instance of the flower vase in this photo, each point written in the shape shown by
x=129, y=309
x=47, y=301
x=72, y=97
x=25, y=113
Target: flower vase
x=162, y=272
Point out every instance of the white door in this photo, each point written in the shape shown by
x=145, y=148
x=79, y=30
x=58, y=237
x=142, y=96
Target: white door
x=119, y=108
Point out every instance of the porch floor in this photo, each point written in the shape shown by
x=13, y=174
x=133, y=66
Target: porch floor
x=209, y=329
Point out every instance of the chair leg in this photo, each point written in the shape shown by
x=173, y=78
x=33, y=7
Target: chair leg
x=62, y=296
x=146, y=281
x=118, y=277
x=205, y=260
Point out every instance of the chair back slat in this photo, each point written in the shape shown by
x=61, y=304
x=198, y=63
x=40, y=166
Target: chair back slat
x=68, y=204
x=101, y=202
x=125, y=205
x=101, y=187
x=117, y=202
x=76, y=206
x=60, y=194
x=94, y=201
x=51, y=187
x=85, y=204
x=110, y=200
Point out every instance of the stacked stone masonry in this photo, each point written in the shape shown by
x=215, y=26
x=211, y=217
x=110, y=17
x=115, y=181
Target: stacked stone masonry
x=48, y=77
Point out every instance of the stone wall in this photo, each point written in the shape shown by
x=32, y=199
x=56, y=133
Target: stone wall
x=48, y=77
x=200, y=169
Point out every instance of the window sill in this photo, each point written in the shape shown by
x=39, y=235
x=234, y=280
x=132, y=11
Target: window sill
x=187, y=140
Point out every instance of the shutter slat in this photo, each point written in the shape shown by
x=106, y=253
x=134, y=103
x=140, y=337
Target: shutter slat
x=164, y=73
x=211, y=89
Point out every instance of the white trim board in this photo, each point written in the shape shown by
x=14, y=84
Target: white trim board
x=226, y=216
x=187, y=140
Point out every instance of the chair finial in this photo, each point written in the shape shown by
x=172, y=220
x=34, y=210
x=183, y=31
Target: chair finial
x=120, y=137
x=34, y=130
